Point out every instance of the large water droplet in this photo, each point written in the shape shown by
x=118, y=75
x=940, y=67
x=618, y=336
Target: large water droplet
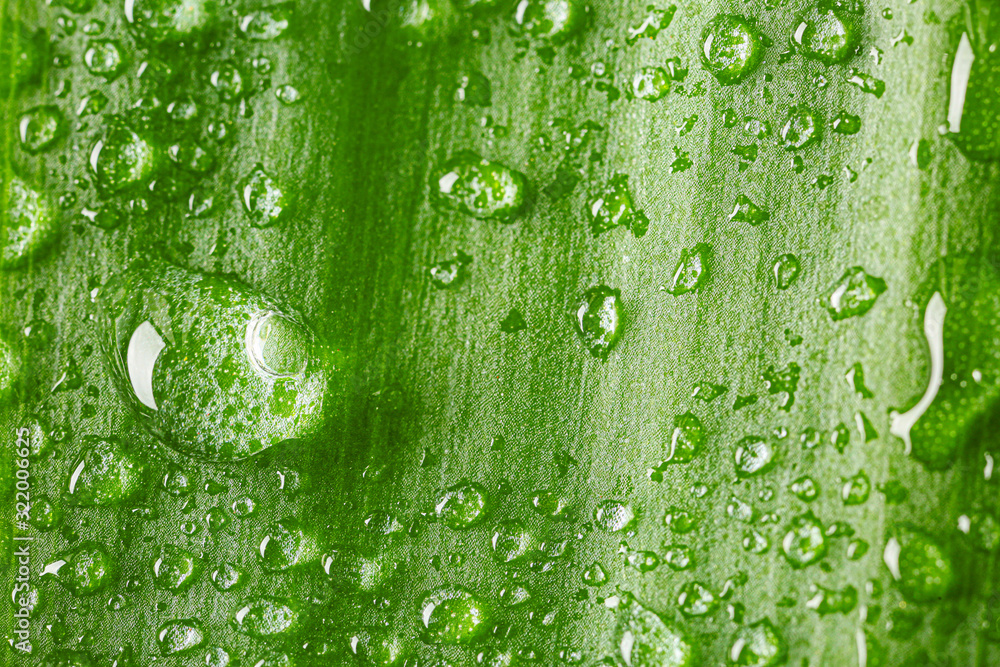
x=599, y=320
x=180, y=636
x=285, y=545
x=29, y=220
x=853, y=294
x=827, y=35
x=463, y=505
x=973, y=117
x=453, y=615
x=758, y=645
x=804, y=542
x=753, y=456
x=108, y=473
x=175, y=569
x=267, y=618
x=480, y=188
x=85, y=570
x=210, y=367
x=646, y=639
x=121, y=158
x=615, y=208
x=731, y=48
x=268, y=23
x=169, y=20
x=613, y=516
x=551, y=20
x=920, y=566
x=40, y=127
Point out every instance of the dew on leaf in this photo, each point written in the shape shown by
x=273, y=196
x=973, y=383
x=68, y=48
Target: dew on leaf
x=615, y=208
x=691, y=270
x=40, y=127
x=854, y=294
x=453, y=615
x=731, y=48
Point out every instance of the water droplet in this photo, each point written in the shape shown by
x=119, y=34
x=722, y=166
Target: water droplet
x=687, y=439
x=755, y=543
x=104, y=58
x=695, y=599
x=268, y=23
x=40, y=127
x=549, y=504
x=731, y=48
x=846, y=123
x=180, y=636
x=920, y=154
x=691, y=271
x=783, y=381
x=175, y=569
x=285, y=545
x=678, y=556
x=746, y=211
x=288, y=94
x=267, y=618
x=753, y=456
x=122, y=159
x=159, y=21
x=921, y=568
x=474, y=89
x=244, y=506
x=615, y=208
x=613, y=515
x=210, y=368
x=758, y=645
x=106, y=474
x=513, y=322
x=840, y=437
x=680, y=521
x=646, y=639
x=226, y=577
x=463, y=505
x=214, y=657
x=865, y=428
x=228, y=82
x=654, y=21
x=973, y=120
x=827, y=35
x=595, y=575
x=480, y=188
x=554, y=21
x=30, y=223
x=853, y=294
x=804, y=488
x=599, y=320
x=44, y=514
x=85, y=570
x=263, y=199
x=804, y=542
x=855, y=490
x=511, y=541
x=650, y=84
x=453, y=615
x=866, y=83
x=855, y=377
x=802, y=129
